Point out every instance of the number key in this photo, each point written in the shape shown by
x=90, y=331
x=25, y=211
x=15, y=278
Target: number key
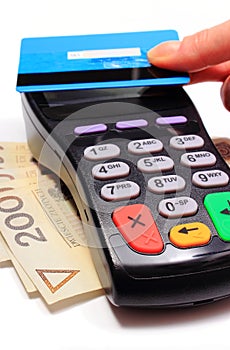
x=110, y=170
x=211, y=178
x=198, y=159
x=155, y=164
x=186, y=142
x=120, y=191
x=101, y=152
x=145, y=146
x=166, y=184
x=177, y=207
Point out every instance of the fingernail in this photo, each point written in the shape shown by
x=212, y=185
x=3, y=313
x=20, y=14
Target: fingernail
x=163, y=50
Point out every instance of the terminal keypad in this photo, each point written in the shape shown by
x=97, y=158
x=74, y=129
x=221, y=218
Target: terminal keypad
x=136, y=222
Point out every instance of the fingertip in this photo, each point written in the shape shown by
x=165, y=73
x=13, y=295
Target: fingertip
x=163, y=51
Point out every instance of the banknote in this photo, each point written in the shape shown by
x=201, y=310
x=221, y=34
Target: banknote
x=4, y=256
x=10, y=179
x=60, y=212
x=223, y=146
x=14, y=147
x=26, y=281
x=59, y=208
x=12, y=155
x=8, y=182
x=15, y=155
x=54, y=197
x=8, y=174
x=57, y=270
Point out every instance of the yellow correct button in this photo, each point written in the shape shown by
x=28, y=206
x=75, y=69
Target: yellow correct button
x=188, y=235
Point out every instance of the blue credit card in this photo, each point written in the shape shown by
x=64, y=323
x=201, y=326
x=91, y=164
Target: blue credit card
x=93, y=61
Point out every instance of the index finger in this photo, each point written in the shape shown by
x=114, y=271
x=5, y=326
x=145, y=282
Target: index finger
x=219, y=72
x=196, y=52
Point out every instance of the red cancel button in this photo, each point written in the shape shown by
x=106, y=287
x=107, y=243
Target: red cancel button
x=137, y=226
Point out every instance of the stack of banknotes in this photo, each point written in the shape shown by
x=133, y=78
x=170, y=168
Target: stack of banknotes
x=41, y=234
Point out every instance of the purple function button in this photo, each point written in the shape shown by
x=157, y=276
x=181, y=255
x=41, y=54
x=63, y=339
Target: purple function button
x=130, y=124
x=89, y=129
x=180, y=119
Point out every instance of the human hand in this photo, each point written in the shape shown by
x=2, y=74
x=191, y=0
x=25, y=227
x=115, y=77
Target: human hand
x=204, y=55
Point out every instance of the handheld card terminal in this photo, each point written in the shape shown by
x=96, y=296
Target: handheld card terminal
x=152, y=190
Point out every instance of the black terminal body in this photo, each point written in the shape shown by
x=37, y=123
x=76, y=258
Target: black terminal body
x=148, y=221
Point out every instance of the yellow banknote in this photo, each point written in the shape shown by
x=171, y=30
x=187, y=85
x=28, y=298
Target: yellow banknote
x=14, y=159
x=58, y=271
x=26, y=281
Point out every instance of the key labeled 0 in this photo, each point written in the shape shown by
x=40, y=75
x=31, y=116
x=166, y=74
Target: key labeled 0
x=177, y=207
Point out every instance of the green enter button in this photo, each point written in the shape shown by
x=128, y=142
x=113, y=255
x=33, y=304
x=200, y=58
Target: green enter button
x=218, y=207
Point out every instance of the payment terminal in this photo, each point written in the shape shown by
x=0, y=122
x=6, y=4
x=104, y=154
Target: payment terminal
x=152, y=190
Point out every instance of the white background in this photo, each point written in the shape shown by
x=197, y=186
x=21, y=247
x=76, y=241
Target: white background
x=27, y=323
